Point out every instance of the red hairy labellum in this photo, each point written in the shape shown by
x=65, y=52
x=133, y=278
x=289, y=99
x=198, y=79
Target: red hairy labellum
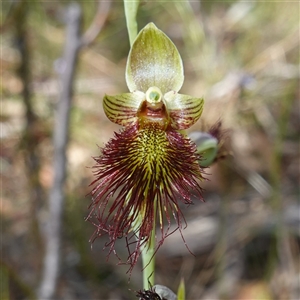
x=138, y=169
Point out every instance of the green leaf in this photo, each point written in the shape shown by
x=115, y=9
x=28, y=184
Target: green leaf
x=154, y=61
x=122, y=109
x=181, y=290
x=184, y=110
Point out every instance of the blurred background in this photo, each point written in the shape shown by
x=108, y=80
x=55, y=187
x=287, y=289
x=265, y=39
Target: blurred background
x=241, y=56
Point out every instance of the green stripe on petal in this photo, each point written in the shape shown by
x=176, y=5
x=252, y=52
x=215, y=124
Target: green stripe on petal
x=154, y=61
x=184, y=110
x=122, y=109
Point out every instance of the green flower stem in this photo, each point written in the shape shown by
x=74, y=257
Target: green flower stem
x=131, y=8
x=148, y=260
x=147, y=253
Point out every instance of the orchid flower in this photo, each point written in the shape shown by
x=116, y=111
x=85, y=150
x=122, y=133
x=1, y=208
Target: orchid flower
x=148, y=167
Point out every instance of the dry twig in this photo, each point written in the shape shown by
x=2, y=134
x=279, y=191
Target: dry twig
x=74, y=43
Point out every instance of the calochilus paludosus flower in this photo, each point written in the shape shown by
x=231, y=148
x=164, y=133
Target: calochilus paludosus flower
x=148, y=167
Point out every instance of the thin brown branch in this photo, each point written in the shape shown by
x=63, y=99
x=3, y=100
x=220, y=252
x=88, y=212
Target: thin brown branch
x=56, y=199
x=74, y=42
x=92, y=32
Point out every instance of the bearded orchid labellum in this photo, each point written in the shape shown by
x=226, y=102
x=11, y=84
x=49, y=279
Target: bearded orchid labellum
x=150, y=165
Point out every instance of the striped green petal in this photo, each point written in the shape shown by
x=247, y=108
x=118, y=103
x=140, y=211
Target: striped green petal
x=122, y=109
x=154, y=61
x=184, y=110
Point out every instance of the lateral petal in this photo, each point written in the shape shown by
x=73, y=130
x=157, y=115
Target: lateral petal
x=122, y=109
x=184, y=110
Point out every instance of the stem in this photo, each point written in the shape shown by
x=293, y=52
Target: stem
x=131, y=8
x=147, y=253
x=148, y=259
